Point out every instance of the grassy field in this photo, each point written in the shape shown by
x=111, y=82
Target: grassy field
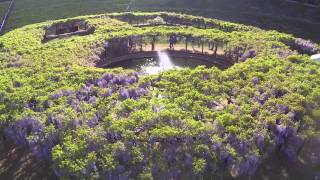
x=32, y=11
x=3, y=8
x=270, y=14
x=281, y=16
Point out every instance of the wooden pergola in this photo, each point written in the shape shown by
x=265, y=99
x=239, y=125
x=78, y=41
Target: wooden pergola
x=139, y=43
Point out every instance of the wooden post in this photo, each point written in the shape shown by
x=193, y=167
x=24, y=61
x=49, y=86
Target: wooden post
x=154, y=42
x=170, y=44
x=130, y=44
x=152, y=46
x=202, y=44
x=141, y=42
x=215, y=49
x=186, y=43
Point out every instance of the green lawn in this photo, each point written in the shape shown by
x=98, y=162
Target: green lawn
x=32, y=11
x=277, y=15
x=3, y=8
x=266, y=15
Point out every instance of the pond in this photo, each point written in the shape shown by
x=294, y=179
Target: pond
x=161, y=63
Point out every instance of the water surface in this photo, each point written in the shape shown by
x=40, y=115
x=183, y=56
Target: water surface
x=161, y=63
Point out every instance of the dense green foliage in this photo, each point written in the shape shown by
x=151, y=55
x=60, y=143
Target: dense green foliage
x=27, y=43
x=113, y=123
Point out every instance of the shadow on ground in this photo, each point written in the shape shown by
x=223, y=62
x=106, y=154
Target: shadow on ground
x=17, y=163
x=306, y=167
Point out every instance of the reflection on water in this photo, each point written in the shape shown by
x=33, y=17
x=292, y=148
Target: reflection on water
x=162, y=63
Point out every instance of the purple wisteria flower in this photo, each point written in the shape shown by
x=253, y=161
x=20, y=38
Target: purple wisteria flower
x=248, y=54
x=20, y=131
x=55, y=121
x=306, y=46
x=124, y=93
